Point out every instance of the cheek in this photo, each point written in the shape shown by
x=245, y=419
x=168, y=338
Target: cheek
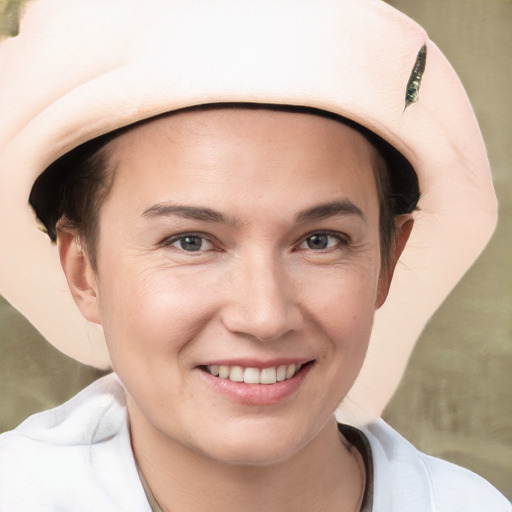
x=152, y=313
x=341, y=306
x=343, y=302
x=150, y=323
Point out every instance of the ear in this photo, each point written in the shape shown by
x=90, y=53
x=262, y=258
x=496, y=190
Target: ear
x=80, y=275
x=403, y=228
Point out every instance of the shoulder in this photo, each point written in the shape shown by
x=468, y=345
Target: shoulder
x=407, y=479
x=71, y=457
x=461, y=488
x=71, y=422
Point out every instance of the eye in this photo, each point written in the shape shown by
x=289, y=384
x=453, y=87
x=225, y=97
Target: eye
x=190, y=243
x=322, y=241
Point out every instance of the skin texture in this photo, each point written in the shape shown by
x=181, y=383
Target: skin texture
x=255, y=291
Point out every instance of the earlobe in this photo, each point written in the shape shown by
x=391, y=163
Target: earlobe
x=403, y=228
x=79, y=274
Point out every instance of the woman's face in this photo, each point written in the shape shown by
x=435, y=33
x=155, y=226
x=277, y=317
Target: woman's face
x=245, y=243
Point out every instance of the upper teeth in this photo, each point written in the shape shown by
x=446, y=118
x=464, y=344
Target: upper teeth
x=255, y=375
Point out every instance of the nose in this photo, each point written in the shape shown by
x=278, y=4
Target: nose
x=261, y=302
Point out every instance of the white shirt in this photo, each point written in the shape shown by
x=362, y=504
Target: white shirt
x=78, y=458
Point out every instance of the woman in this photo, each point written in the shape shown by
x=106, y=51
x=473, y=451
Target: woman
x=226, y=209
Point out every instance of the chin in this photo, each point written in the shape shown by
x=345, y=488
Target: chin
x=254, y=454
x=257, y=442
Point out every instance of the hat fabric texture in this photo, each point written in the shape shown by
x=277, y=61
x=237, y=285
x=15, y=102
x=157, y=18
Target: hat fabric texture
x=82, y=68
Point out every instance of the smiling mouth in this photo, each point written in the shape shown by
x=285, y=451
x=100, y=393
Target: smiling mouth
x=249, y=375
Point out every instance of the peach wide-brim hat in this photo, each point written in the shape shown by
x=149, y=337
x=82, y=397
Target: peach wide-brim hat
x=81, y=68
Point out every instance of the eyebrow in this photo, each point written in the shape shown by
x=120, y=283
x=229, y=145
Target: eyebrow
x=332, y=209
x=186, y=212
x=315, y=213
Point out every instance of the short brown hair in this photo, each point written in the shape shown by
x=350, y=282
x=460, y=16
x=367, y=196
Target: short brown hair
x=70, y=191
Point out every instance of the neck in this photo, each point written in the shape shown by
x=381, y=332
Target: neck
x=326, y=475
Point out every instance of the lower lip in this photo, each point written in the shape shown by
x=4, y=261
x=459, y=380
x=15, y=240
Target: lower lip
x=257, y=394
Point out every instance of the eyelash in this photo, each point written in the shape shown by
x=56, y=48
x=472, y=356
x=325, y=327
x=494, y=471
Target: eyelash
x=169, y=242
x=342, y=240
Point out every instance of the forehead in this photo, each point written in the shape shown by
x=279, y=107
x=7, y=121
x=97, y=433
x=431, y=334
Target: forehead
x=249, y=154
x=258, y=125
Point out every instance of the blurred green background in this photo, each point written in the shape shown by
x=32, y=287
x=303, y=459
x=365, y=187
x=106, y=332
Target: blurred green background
x=455, y=400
